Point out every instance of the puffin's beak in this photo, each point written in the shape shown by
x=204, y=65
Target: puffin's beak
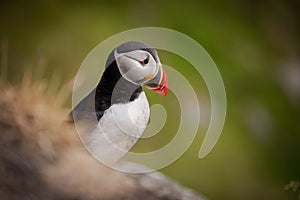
x=159, y=82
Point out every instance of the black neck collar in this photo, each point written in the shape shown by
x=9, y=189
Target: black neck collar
x=113, y=89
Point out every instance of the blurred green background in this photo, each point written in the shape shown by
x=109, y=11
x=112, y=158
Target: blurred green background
x=255, y=45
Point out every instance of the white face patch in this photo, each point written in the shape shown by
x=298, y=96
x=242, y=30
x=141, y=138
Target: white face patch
x=136, y=66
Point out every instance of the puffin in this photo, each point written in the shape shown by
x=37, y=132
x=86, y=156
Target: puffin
x=112, y=118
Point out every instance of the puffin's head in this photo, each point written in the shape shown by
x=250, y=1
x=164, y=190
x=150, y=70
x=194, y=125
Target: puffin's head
x=139, y=64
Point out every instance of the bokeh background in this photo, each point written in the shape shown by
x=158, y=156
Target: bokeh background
x=255, y=44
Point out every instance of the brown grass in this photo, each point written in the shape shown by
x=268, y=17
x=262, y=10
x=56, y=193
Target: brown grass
x=42, y=158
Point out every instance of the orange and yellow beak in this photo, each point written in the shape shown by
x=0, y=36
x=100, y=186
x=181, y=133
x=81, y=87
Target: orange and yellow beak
x=159, y=82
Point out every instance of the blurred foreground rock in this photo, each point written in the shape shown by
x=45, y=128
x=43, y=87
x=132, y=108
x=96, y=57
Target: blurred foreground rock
x=41, y=158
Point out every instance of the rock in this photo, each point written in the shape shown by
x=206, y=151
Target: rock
x=42, y=158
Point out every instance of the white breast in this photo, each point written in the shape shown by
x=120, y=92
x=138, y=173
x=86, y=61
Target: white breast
x=119, y=129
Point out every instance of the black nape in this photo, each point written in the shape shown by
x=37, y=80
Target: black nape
x=114, y=89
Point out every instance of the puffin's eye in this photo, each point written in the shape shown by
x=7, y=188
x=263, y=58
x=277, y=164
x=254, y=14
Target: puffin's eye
x=145, y=62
